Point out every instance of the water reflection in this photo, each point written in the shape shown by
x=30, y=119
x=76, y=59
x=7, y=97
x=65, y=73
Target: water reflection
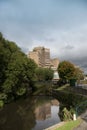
x=47, y=114
x=43, y=112
x=18, y=116
x=34, y=113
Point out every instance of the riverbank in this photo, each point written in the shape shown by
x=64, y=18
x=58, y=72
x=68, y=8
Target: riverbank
x=71, y=96
x=68, y=125
x=83, y=125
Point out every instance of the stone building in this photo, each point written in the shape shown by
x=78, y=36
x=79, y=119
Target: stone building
x=54, y=63
x=41, y=56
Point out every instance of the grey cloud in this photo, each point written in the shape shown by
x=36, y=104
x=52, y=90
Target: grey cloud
x=50, y=39
x=82, y=63
x=68, y=47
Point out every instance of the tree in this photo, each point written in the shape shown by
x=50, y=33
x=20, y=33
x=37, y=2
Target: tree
x=66, y=71
x=48, y=74
x=79, y=73
x=44, y=74
x=17, y=72
x=39, y=74
x=4, y=58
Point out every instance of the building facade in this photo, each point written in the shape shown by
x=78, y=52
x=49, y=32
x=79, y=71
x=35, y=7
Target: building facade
x=54, y=63
x=41, y=56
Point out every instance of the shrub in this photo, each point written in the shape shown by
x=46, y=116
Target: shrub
x=1, y=103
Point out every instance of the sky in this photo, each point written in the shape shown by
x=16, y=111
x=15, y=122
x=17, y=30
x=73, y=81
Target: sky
x=60, y=25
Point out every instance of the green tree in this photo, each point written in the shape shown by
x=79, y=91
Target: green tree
x=48, y=72
x=17, y=72
x=44, y=74
x=79, y=73
x=39, y=74
x=4, y=58
x=66, y=71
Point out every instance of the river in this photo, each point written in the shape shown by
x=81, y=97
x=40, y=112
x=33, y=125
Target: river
x=33, y=113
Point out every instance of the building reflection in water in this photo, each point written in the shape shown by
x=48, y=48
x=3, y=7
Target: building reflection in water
x=35, y=113
x=43, y=112
x=47, y=114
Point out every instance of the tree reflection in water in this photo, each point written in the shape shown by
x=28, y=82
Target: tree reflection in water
x=18, y=116
x=33, y=113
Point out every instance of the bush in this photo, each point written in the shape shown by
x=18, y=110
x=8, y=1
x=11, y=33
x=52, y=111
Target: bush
x=21, y=91
x=66, y=114
x=1, y=103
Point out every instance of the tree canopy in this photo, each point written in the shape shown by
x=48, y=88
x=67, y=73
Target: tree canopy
x=44, y=74
x=68, y=70
x=17, y=72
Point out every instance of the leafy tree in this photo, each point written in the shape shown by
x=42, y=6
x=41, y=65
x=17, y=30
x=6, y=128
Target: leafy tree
x=66, y=70
x=17, y=72
x=79, y=73
x=48, y=74
x=40, y=74
x=44, y=74
x=4, y=58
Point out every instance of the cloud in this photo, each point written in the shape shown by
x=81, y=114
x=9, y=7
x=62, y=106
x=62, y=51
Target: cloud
x=68, y=47
x=52, y=40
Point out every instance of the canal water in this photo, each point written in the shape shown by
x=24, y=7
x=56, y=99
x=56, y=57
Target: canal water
x=33, y=113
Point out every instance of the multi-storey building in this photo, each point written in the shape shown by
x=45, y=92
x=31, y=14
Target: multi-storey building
x=41, y=56
x=54, y=63
x=35, y=56
x=47, y=57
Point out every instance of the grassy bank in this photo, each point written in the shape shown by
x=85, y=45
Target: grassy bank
x=70, y=125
